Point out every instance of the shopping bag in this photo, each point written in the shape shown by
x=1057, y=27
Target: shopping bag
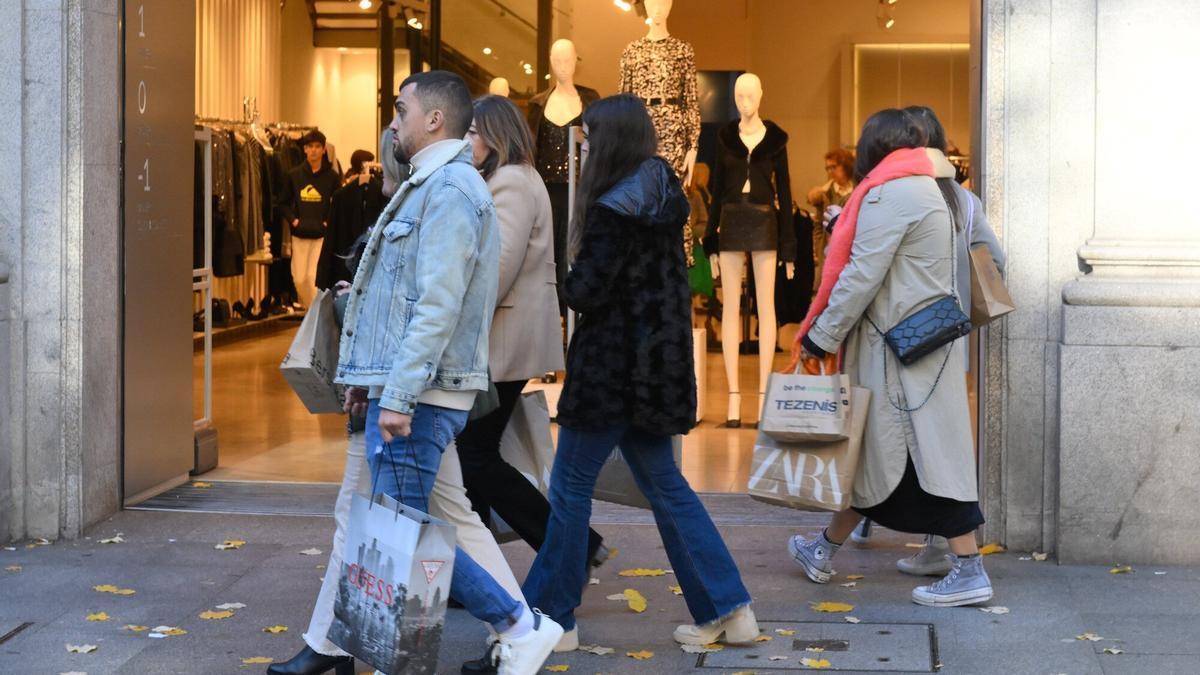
x=529, y=448
x=810, y=475
x=616, y=484
x=990, y=299
x=390, y=606
x=311, y=362
x=803, y=407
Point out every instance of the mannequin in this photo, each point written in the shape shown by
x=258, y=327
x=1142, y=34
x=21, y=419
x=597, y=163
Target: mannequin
x=551, y=114
x=661, y=70
x=499, y=87
x=752, y=209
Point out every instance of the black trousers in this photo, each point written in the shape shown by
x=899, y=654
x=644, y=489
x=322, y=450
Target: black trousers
x=493, y=484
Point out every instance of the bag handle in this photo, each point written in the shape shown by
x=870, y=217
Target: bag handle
x=826, y=365
x=396, y=476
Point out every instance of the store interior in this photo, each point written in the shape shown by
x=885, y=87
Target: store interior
x=269, y=71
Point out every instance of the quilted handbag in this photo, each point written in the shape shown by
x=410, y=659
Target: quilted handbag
x=926, y=330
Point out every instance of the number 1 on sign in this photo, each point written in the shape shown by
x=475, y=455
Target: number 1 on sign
x=146, y=175
x=141, y=21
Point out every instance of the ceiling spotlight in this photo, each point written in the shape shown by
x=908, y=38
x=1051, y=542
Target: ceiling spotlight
x=883, y=15
x=892, y=2
x=487, y=51
x=623, y=5
x=890, y=23
x=413, y=22
x=365, y=4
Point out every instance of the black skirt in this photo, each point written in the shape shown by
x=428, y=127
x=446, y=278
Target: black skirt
x=911, y=509
x=746, y=226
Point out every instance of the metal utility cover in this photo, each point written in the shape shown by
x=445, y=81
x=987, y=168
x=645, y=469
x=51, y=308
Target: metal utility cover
x=884, y=647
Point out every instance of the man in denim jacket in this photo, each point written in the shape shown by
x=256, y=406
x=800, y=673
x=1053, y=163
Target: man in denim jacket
x=415, y=337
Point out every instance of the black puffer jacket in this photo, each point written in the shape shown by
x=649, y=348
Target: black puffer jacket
x=630, y=359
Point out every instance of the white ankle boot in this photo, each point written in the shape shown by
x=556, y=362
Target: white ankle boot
x=738, y=628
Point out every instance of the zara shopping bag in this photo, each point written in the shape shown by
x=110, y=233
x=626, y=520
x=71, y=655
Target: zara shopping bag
x=311, y=361
x=812, y=474
x=616, y=484
x=391, y=600
x=529, y=448
x=801, y=407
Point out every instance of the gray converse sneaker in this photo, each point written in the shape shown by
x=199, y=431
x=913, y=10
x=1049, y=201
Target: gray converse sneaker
x=931, y=561
x=966, y=584
x=814, y=555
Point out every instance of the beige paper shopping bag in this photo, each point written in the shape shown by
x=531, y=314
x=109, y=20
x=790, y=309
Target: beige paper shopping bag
x=990, y=299
x=810, y=475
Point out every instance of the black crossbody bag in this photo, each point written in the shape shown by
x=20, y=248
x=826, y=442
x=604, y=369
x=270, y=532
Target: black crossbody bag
x=929, y=328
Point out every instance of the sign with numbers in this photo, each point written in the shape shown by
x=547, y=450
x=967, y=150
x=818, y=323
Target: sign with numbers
x=157, y=171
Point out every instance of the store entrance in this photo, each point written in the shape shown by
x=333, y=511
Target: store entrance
x=282, y=71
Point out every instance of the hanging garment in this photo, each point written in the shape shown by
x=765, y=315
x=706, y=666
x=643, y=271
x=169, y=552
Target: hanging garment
x=793, y=295
x=355, y=208
x=663, y=74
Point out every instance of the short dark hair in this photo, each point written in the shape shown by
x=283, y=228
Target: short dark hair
x=447, y=92
x=885, y=132
x=313, y=136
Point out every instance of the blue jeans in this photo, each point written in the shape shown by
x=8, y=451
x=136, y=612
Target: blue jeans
x=405, y=470
x=710, y=580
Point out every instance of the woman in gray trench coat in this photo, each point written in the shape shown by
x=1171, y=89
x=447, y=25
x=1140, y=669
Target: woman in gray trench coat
x=917, y=473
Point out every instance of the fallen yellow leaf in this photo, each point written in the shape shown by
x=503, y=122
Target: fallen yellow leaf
x=816, y=664
x=855, y=577
x=1089, y=637
x=257, y=659
x=785, y=632
x=13, y=568
x=832, y=607
x=201, y=484
x=98, y=616
x=228, y=544
x=612, y=553
x=1121, y=569
x=558, y=669
x=815, y=650
x=1040, y=557
x=990, y=549
x=642, y=572
x=211, y=615
x=134, y=628
x=643, y=655
x=763, y=638
x=81, y=649
x=675, y=589
x=637, y=601
x=170, y=631
x=275, y=630
x=109, y=588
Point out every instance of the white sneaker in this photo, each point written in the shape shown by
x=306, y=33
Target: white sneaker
x=738, y=628
x=526, y=654
x=569, y=641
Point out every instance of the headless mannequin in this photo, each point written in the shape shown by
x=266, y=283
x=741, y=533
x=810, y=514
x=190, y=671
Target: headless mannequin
x=499, y=87
x=564, y=103
x=747, y=93
x=657, y=12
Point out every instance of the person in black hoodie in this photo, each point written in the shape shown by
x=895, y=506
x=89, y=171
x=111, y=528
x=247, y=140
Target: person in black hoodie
x=305, y=205
x=630, y=381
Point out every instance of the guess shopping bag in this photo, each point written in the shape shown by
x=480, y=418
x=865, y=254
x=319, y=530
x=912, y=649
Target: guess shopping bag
x=813, y=474
x=801, y=407
x=391, y=600
x=311, y=361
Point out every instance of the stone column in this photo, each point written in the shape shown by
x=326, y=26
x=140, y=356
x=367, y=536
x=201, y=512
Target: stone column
x=1129, y=402
x=60, y=237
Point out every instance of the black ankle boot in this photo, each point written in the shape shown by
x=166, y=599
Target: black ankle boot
x=309, y=662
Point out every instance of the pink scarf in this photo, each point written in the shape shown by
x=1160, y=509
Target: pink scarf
x=899, y=164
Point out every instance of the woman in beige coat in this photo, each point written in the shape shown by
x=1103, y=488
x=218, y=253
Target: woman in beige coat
x=526, y=336
x=917, y=473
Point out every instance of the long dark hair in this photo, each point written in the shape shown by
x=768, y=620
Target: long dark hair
x=504, y=132
x=936, y=138
x=884, y=133
x=620, y=137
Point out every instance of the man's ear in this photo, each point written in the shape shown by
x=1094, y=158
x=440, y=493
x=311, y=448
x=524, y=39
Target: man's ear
x=436, y=121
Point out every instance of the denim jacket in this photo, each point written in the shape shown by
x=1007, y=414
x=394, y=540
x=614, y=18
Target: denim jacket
x=423, y=295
